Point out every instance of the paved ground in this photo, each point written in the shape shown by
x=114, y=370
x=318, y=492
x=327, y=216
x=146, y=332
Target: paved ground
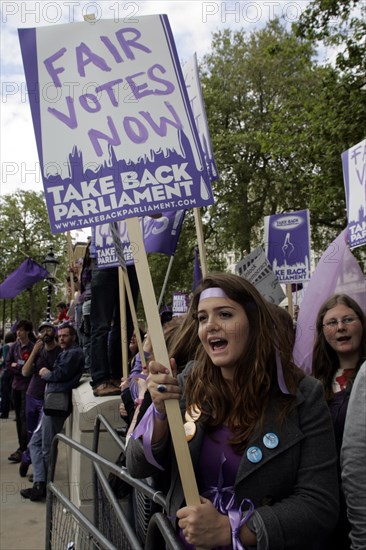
x=22, y=522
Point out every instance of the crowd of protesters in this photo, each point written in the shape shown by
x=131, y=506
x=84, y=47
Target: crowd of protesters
x=275, y=451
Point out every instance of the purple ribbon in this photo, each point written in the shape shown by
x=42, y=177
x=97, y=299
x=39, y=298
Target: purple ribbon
x=237, y=518
x=145, y=430
x=280, y=377
x=220, y=495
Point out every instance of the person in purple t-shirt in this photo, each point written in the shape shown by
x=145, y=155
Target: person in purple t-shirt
x=44, y=354
x=15, y=361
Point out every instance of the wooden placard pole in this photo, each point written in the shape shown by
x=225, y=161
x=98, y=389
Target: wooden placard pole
x=180, y=444
x=161, y=355
x=200, y=242
x=165, y=281
x=124, y=288
x=289, y=300
x=70, y=257
x=123, y=325
x=134, y=316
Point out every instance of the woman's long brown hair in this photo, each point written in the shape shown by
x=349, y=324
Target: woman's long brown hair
x=325, y=359
x=243, y=406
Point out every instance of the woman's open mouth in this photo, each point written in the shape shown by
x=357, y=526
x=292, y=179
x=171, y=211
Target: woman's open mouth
x=217, y=344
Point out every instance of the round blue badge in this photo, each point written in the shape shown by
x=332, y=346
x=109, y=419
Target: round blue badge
x=271, y=440
x=254, y=454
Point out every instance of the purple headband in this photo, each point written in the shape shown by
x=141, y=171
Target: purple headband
x=213, y=292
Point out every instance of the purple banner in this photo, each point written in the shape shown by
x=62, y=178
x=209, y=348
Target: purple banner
x=25, y=276
x=115, y=132
x=354, y=174
x=287, y=239
x=160, y=235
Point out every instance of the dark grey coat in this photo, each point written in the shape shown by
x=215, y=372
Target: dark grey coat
x=294, y=487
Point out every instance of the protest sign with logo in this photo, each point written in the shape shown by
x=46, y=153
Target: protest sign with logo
x=354, y=174
x=287, y=238
x=115, y=133
x=256, y=269
x=117, y=140
x=160, y=235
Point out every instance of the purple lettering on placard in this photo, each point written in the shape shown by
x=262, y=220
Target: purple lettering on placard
x=96, y=135
x=169, y=87
x=70, y=120
x=130, y=156
x=90, y=103
x=135, y=130
x=108, y=87
x=128, y=44
x=161, y=129
x=52, y=71
x=84, y=56
x=112, y=48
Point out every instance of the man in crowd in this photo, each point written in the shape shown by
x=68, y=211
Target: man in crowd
x=105, y=321
x=15, y=360
x=61, y=378
x=44, y=354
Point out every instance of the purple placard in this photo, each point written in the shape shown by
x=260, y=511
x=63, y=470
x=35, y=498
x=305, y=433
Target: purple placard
x=354, y=175
x=160, y=235
x=180, y=303
x=192, y=80
x=287, y=239
x=115, y=132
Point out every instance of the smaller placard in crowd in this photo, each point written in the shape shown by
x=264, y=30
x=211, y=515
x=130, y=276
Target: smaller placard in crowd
x=180, y=303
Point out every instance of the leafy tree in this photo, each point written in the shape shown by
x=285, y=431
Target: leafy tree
x=342, y=24
x=278, y=123
x=253, y=85
x=181, y=273
x=25, y=232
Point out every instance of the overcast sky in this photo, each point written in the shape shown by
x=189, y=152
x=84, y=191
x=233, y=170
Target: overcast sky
x=192, y=22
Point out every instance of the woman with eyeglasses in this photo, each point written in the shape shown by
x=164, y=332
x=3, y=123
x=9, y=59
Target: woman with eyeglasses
x=339, y=351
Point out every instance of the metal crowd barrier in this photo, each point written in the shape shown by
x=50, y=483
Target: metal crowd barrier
x=138, y=523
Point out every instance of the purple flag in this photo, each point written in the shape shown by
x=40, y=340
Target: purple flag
x=160, y=235
x=336, y=272
x=197, y=273
x=25, y=276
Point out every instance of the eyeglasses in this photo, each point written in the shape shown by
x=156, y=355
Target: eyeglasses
x=333, y=324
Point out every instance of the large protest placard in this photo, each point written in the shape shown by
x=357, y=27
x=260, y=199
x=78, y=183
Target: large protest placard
x=192, y=81
x=354, y=174
x=160, y=235
x=256, y=269
x=115, y=132
x=287, y=239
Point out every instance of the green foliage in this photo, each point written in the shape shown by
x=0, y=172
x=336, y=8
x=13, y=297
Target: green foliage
x=25, y=232
x=279, y=123
x=340, y=23
x=181, y=273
